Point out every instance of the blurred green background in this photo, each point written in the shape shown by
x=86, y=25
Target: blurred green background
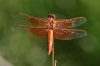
x=20, y=48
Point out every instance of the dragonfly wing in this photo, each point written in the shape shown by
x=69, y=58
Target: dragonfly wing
x=36, y=20
x=37, y=31
x=68, y=34
x=70, y=23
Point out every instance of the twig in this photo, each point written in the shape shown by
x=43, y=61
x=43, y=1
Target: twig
x=53, y=58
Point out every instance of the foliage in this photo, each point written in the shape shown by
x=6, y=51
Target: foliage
x=21, y=48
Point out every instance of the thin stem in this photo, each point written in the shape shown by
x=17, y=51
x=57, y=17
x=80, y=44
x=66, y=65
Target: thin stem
x=53, y=58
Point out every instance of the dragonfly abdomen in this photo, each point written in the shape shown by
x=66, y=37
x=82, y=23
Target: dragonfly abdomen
x=50, y=40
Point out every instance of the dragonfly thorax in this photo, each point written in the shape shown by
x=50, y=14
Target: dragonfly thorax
x=51, y=24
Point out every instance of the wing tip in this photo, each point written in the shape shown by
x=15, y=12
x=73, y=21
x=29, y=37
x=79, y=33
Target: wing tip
x=24, y=26
x=81, y=33
x=84, y=19
x=21, y=25
x=23, y=14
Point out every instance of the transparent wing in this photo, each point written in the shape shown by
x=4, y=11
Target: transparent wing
x=70, y=23
x=36, y=20
x=37, y=31
x=68, y=34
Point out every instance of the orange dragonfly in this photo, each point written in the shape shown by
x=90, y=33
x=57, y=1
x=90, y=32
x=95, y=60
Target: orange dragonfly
x=55, y=29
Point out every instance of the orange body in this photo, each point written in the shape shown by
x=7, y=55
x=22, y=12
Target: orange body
x=50, y=40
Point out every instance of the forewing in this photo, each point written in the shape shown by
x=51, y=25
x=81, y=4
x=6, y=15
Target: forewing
x=68, y=34
x=36, y=20
x=70, y=23
x=37, y=31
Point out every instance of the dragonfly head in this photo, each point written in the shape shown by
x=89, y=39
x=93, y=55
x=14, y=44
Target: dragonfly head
x=52, y=16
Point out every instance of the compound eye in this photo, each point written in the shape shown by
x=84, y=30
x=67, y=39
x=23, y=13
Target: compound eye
x=51, y=16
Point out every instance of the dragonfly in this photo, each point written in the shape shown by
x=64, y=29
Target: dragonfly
x=52, y=28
